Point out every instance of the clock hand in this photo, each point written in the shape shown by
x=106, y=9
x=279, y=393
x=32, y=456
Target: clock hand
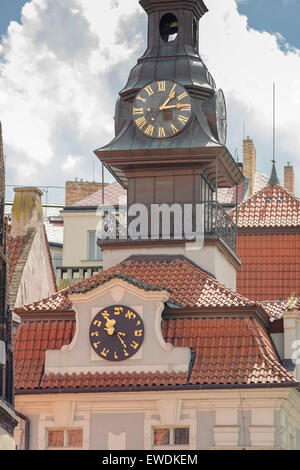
x=118, y=335
x=171, y=97
x=178, y=105
x=110, y=326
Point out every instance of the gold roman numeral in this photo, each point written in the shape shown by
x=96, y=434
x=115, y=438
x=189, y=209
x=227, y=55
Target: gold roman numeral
x=134, y=345
x=174, y=129
x=96, y=344
x=161, y=86
x=97, y=323
x=149, y=130
x=141, y=122
x=149, y=90
x=186, y=107
x=161, y=132
x=182, y=119
x=141, y=99
x=183, y=95
x=138, y=111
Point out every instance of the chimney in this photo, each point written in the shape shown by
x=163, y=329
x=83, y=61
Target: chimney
x=249, y=163
x=289, y=178
x=27, y=211
x=78, y=190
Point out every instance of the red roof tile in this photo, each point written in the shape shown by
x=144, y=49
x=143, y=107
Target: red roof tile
x=188, y=284
x=272, y=206
x=15, y=246
x=234, y=351
x=270, y=265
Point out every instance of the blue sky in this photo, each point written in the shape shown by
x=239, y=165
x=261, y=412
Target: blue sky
x=274, y=16
x=62, y=68
x=10, y=10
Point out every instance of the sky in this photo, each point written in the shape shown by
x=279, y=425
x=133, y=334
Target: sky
x=62, y=65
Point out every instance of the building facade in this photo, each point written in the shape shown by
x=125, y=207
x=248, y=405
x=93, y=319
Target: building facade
x=8, y=419
x=159, y=351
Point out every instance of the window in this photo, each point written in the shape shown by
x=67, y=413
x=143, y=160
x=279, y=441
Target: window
x=171, y=436
x=60, y=438
x=94, y=251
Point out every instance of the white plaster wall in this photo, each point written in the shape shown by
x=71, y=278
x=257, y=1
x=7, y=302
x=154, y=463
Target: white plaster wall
x=76, y=228
x=154, y=354
x=6, y=441
x=37, y=279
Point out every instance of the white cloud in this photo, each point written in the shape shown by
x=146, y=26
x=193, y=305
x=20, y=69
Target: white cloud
x=61, y=70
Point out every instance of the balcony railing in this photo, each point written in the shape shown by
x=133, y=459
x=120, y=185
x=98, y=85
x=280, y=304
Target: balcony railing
x=215, y=221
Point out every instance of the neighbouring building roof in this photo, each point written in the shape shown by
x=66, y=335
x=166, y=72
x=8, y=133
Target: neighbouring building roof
x=227, y=196
x=272, y=206
x=18, y=251
x=114, y=194
x=269, y=244
x=232, y=349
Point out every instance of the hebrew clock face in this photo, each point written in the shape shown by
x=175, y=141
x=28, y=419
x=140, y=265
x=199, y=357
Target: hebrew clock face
x=116, y=333
x=162, y=109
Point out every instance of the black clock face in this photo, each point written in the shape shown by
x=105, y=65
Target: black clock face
x=221, y=116
x=162, y=109
x=116, y=333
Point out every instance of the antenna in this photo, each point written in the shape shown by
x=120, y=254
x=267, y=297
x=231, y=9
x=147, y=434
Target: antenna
x=244, y=130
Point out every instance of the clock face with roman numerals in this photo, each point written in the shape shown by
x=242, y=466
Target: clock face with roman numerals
x=162, y=109
x=116, y=333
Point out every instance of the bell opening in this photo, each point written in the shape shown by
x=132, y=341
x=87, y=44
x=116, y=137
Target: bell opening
x=168, y=27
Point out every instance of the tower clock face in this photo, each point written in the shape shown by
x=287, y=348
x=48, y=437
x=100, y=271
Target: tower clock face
x=116, y=333
x=221, y=116
x=162, y=109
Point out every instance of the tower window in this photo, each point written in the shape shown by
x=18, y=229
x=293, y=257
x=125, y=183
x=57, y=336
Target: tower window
x=168, y=27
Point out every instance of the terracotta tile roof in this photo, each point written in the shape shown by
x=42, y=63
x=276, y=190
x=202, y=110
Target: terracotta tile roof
x=18, y=250
x=31, y=342
x=227, y=351
x=188, y=284
x=15, y=247
x=113, y=194
x=272, y=206
x=270, y=265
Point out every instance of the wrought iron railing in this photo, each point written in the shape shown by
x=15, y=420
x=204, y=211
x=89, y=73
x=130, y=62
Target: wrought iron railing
x=215, y=222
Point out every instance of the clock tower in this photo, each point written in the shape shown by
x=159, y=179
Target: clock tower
x=170, y=148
